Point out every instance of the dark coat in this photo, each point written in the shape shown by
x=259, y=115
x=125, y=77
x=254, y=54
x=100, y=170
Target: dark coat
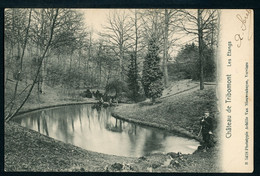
x=206, y=124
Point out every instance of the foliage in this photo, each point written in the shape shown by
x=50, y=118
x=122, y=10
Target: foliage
x=133, y=78
x=209, y=65
x=116, y=88
x=53, y=77
x=187, y=61
x=87, y=94
x=152, y=74
x=187, y=65
x=71, y=78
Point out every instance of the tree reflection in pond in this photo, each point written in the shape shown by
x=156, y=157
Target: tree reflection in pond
x=44, y=123
x=98, y=131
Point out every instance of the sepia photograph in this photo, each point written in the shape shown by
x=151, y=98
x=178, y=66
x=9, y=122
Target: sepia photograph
x=127, y=90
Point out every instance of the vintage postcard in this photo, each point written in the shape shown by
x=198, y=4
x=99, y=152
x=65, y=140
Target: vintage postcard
x=128, y=90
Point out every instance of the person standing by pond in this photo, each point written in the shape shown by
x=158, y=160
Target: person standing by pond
x=206, y=123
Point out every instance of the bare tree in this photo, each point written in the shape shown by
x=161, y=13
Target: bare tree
x=136, y=34
x=137, y=45
x=200, y=24
x=117, y=35
x=16, y=23
x=53, y=16
x=171, y=22
x=161, y=24
x=165, y=51
x=20, y=58
x=152, y=21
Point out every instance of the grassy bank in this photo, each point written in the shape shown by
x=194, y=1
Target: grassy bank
x=27, y=150
x=50, y=97
x=179, y=113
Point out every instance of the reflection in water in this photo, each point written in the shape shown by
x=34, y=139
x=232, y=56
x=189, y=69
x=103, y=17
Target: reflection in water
x=98, y=131
x=44, y=124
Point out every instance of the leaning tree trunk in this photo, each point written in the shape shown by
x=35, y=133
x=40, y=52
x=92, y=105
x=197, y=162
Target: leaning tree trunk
x=9, y=117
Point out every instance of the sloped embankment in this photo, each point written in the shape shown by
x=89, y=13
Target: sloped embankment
x=178, y=113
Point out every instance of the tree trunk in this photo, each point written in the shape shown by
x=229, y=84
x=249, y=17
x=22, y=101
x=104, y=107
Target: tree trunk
x=120, y=63
x=136, y=76
x=200, y=35
x=100, y=72
x=135, y=56
x=43, y=80
x=165, y=52
x=108, y=76
x=42, y=72
x=89, y=52
x=71, y=59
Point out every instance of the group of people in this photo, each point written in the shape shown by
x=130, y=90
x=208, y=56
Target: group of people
x=99, y=96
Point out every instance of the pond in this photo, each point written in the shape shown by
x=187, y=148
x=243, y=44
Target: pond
x=98, y=131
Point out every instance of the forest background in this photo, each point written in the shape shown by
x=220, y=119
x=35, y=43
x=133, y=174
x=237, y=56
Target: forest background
x=57, y=50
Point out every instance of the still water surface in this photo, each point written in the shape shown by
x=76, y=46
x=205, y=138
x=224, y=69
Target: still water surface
x=98, y=131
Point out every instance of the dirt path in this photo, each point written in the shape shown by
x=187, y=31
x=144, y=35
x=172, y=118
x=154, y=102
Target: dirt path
x=180, y=92
x=184, y=86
